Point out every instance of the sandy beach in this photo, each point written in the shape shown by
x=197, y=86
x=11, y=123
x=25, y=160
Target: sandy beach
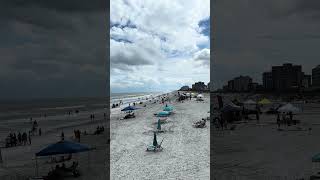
x=260, y=151
x=19, y=163
x=186, y=149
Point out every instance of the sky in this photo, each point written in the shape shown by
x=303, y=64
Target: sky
x=252, y=35
x=158, y=45
x=52, y=49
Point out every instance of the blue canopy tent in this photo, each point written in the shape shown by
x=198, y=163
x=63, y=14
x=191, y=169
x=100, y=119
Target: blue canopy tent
x=163, y=114
x=62, y=147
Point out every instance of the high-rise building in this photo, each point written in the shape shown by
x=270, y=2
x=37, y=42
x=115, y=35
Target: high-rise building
x=306, y=82
x=241, y=83
x=199, y=86
x=287, y=77
x=316, y=76
x=267, y=80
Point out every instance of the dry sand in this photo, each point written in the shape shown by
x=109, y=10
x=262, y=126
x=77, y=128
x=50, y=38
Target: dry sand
x=19, y=161
x=186, y=149
x=259, y=151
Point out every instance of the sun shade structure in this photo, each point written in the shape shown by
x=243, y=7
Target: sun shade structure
x=63, y=147
x=130, y=108
x=163, y=114
x=168, y=108
x=264, y=101
x=249, y=102
x=316, y=158
x=230, y=108
x=289, y=108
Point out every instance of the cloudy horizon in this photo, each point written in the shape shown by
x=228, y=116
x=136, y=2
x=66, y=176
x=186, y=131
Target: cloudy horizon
x=53, y=49
x=158, y=46
x=252, y=36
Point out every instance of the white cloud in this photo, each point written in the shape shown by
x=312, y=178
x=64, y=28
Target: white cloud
x=157, y=43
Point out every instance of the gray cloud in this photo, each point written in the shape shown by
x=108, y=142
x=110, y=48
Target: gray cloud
x=53, y=49
x=251, y=36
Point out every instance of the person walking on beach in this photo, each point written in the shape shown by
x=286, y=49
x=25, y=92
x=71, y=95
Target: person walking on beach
x=62, y=136
x=29, y=138
x=40, y=132
x=24, y=138
x=278, y=120
x=19, y=138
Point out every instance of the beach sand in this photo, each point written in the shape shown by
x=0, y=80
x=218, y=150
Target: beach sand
x=19, y=161
x=259, y=151
x=186, y=149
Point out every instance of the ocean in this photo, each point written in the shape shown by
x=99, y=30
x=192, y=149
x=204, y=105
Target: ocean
x=25, y=109
x=128, y=98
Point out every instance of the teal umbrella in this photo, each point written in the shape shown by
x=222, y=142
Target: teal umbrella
x=155, y=143
x=163, y=114
x=316, y=158
x=159, y=125
x=168, y=108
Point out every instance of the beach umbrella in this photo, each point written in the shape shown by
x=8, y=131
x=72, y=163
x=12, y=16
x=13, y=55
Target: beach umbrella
x=168, y=108
x=230, y=108
x=130, y=108
x=63, y=147
x=159, y=125
x=249, y=102
x=316, y=158
x=289, y=108
x=264, y=101
x=155, y=143
x=163, y=114
x=200, y=96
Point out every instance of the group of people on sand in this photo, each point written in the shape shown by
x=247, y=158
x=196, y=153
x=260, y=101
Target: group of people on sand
x=287, y=118
x=92, y=117
x=99, y=130
x=20, y=139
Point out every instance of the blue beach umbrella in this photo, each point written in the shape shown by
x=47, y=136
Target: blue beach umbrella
x=130, y=108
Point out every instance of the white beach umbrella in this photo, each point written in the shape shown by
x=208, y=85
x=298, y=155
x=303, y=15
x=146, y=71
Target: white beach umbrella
x=200, y=96
x=289, y=108
x=249, y=102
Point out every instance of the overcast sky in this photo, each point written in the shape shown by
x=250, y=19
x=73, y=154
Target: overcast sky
x=158, y=45
x=254, y=35
x=52, y=48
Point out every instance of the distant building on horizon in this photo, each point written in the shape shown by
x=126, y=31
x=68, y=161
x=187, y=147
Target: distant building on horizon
x=239, y=84
x=287, y=77
x=184, y=88
x=306, y=81
x=267, y=81
x=316, y=77
x=199, y=86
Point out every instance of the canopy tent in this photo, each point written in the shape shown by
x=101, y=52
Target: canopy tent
x=289, y=108
x=130, y=108
x=264, y=101
x=163, y=114
x=63, y=147
x=249, y=102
